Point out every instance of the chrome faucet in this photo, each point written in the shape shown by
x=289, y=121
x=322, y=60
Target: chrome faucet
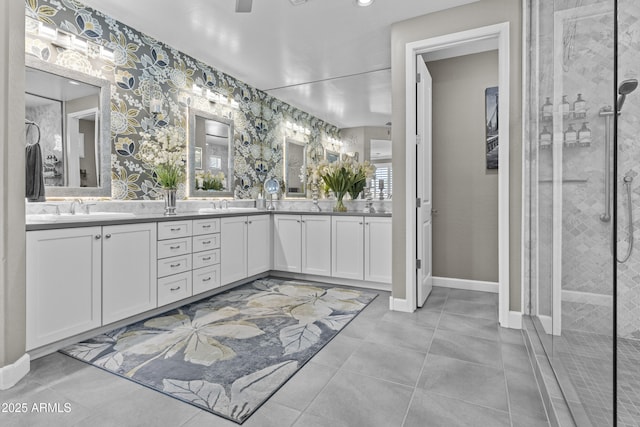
x=224, y=204
x=77, y=203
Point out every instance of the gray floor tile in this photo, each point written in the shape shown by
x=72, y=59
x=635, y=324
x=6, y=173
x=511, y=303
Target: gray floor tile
x=310, y=420
x=429, y=409
x=524, y=396
x=57, y=410
x=337, y=351
x=420, y=317
x=469, y=349
x=204, y=418
x=516, y=358
x=54, y=367
x=472, y=326
x=90, y=386
x=148, y=407
x=272, y=414
x=511, y=336
x=466, y=381
x=388, y=363
x=435, y=302
x=519, y=420
x=362, y=401
x=360, y=327
x=474, y=296
x=472, y=309
x=409, y=336
x=439, y=291
x=304, y=386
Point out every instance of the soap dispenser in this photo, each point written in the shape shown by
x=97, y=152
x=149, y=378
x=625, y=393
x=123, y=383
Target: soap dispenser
x=584, y=135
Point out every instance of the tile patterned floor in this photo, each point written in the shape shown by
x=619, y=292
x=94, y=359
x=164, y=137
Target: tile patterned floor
x=448, y=364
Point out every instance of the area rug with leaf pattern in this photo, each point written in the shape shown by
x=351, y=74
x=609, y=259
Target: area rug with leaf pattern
x=228, y=353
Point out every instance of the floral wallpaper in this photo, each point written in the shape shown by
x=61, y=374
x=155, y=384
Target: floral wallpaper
x=142, y=66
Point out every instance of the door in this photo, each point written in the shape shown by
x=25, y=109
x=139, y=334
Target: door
x=128, y=270
x=233, y=249
x=259, y=244
x=287, y=250
x=63, y=284
x=424, y=278
x=377, y=250
x=347, y=247
x=316, y=245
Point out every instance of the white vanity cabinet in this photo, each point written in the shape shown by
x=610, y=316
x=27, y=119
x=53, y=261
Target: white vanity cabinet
x=377, y=249
x=63, y=283
x=258, y=244
x=361, y=248
x=174, y=261
x=287, y=243
x=302, y=244
x=128, y=270
x=245, y=244
x=206, y=255
x=347, y=247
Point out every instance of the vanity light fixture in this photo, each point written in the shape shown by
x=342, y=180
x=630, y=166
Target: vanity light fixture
x=364, y=3
x=47, y=32
x=107, y=54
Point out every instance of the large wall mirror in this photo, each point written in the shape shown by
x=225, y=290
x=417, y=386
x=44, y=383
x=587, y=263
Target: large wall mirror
x=210, y=159
x=71, y=109
x=295, y=161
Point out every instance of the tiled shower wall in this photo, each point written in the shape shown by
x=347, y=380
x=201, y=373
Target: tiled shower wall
x=141, y=63
x=629, y=163
x=582, y=62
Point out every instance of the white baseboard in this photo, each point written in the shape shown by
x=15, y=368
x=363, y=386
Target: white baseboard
x=397, y=304
x=11, y=374
x=515, y=320
x=547, y=323
x=468, y=285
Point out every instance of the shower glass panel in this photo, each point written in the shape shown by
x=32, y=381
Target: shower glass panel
x=572, y=194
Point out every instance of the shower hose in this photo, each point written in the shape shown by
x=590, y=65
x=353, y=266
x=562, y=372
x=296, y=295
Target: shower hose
x=627, y=183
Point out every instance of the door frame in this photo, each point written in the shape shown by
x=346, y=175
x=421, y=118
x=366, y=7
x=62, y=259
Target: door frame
x=481, y=39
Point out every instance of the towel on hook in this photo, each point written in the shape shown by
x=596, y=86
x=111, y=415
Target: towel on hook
x=34, y=176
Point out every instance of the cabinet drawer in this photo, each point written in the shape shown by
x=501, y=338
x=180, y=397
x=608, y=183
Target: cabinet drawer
x=206, y=242
x=206, y=226
x=174, y=265
x=174, y=229
x=174, y=288
x=207, y=258
x=174, y=247
x=205, y=279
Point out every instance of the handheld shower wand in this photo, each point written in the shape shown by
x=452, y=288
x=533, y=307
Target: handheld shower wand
x=625, y=88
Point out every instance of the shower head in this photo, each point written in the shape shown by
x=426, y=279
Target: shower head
x=626, y=87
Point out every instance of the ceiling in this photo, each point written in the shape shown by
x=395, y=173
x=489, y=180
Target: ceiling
x=330, y=58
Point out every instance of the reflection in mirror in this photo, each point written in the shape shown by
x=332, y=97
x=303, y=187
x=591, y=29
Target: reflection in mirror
x=331, y=156
x=380, y=155
x=72, y=111
x=295, y=153
x=210, y=161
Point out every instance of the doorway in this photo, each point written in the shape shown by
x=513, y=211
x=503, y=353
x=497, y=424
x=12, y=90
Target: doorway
x=494, y=37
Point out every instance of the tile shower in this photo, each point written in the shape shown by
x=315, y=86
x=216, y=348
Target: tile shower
x=585, y=305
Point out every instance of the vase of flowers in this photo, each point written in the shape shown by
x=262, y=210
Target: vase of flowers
x=164, y=152
x=344, y=177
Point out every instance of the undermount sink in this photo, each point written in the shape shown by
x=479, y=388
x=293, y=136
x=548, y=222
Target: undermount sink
x=66, y=217
x=226, y=210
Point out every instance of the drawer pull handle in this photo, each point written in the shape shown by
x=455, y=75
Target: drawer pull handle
x=207, y=279
x=175, y=289
x=175, y=265
x=174, y=247
x=206, y=259
x=208, y=242
x=176, y=229
x=206, y=226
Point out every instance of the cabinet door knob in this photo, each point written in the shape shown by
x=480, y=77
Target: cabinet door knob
x=97, y=237
x=108, y=236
